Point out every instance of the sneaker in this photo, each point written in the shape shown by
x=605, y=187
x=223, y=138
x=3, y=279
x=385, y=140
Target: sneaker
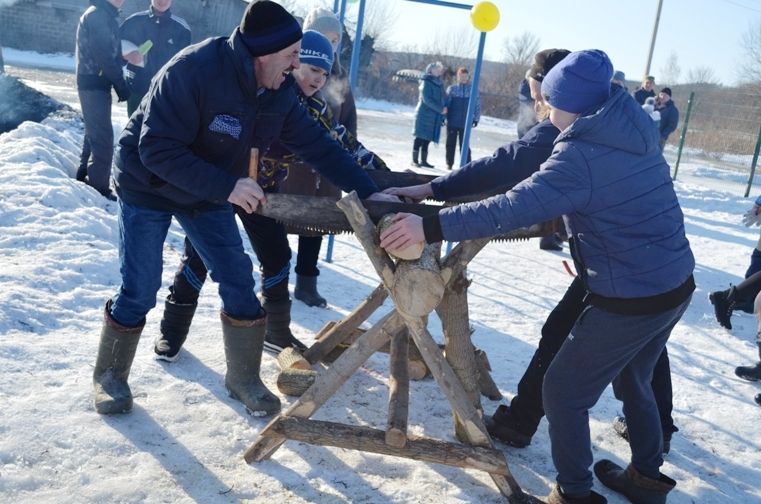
x=722, y=307
x=164, y=351
x=501, y=426
x=276, y=346
x=750, y=373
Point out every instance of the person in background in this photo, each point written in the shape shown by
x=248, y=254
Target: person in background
x=99, y=69
x=184, y=155
x=429, y=114
x=526, y=114
x=669, y=114
x=619, y=78
x=646, y=89
x=166, y=33
x=458, y=98
x=637, y=290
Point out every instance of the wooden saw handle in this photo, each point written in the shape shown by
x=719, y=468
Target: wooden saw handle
x=253, y=164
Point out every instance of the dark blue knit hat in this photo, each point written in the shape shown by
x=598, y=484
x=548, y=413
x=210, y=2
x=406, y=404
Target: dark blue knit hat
x=579, y=82
x=267, y=28
x=316, y=50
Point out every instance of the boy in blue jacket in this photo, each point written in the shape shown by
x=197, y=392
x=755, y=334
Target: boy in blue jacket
x=610, y=182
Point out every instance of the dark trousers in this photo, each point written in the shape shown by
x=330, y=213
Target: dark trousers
x=270, y=243
x=307, y=256
x=96, y=113
x=419, y=144
x=454, y=137
x=526, y=408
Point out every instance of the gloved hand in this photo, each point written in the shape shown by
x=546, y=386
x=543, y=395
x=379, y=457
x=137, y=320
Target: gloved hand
x=122, y=92
x=753, y=216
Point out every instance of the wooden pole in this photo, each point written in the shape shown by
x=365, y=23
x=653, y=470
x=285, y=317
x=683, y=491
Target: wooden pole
x=399, y=391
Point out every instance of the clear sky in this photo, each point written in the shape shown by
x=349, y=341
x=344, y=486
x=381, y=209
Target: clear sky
x=702, y=33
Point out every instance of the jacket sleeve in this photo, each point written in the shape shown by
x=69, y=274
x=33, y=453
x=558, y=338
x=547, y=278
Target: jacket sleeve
x=448, y=100
x=305, y=137
x=508, y=165
x=426, y=96
x=669, y=123
x=172, y=119
x=102, y=42
x=561, y=187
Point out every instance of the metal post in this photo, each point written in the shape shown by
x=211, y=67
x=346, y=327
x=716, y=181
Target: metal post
x=683, y=135
x=335, y=6
x=353, y=70
x=652, y=39
x=753, y=163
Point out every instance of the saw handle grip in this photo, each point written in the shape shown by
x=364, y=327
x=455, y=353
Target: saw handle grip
x=253, y=164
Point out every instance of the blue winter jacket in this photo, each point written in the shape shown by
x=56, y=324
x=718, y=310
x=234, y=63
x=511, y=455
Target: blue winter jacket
x=508, y=165
x=669, y=119
x=430, y=108
x=609, y=180
x=458, y=96
x=189, y=141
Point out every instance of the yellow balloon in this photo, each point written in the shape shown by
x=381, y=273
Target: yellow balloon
x=484, y=16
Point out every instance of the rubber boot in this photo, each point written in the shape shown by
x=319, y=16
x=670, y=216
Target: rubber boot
x=424, y=157
x=723, y=303
x=415, y=161
x=639, y=489
x=243, y=352
x=279, y=336
x=175, y=325
x=306, y=291
x=115, y=354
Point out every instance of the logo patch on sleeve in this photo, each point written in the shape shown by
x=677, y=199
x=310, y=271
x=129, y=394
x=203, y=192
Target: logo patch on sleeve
x=227, y=125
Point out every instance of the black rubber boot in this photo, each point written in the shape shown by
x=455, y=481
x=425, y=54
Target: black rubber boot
x=424, y=157
x=279, y=336
x=558, y=497
x=243, y=352
x=175, y=325
x=306, y=291
x=115, y=355
x=723, y=303
x=637, y=488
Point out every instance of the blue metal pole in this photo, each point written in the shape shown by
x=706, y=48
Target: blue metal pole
x=357, y=47
x=342, y=12
x=472, y=101
x=335, y=6
x=443, y=4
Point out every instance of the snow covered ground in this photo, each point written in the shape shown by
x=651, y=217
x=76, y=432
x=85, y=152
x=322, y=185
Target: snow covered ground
x=184, y=440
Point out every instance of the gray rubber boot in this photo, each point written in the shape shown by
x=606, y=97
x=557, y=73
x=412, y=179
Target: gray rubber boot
x=175, y=324
x=243, y=352
x=306, y=291
x=279, y=335
x=115, y=354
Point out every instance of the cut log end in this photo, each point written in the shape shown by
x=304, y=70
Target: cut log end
x=396, y=438
x=294, y=382
x=290, y=358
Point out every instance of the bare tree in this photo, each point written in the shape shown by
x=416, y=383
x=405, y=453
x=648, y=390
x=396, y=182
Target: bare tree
x=462, y=44
x=750, y=71
x=379, y=18
x=670, y=71
x=702, y=75
x=520, y=50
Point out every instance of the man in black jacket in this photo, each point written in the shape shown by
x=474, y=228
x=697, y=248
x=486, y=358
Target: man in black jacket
x=164, y=33
x=99, y=68
x=184, y=155
x=669, y=114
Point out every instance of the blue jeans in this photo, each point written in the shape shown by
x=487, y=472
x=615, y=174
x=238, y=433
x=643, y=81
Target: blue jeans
x=213, y=232
x=601, y=347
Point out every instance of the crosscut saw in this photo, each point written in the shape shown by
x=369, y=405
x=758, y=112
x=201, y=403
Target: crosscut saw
x=320, y=214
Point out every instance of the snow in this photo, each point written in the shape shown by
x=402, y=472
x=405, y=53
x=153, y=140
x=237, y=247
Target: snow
x=184, y=440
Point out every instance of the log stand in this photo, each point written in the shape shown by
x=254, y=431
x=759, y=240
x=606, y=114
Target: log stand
x=442, y=288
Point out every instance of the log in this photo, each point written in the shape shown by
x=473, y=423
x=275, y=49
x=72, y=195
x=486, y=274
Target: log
x=323, y=433
x=410, y=253
x=291, y=358
x=485, y=382
x=418, y=286
x=328, y=338
x=294, y=382
x=326, y=384
x=398, y=391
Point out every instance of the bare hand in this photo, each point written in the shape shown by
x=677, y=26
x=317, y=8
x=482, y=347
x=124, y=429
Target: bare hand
x=247, y=194
x=134, y=58
x=416, y=193
x=406, y=230
x=382, y=196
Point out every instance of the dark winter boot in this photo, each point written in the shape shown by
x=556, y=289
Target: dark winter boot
x=750, y=373
x=175, y=325
x=279, y=336
x=620, y=427
x=115, y=354
x=243, y=352
x=558, y=497
x=501, y=425
x=424, y=157
x=415, y=158
x=306, y=291
x=723, y=303
x=639, y=489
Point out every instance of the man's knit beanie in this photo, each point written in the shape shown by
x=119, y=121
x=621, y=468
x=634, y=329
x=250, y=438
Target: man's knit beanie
x=267, y=28
x=324, y=21
x=579, y=82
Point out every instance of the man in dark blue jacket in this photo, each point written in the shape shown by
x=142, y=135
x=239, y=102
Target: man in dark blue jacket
x=99, y=68
x=185, y=154
x=458, y=98
x=164, y=32
x=669, y=114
